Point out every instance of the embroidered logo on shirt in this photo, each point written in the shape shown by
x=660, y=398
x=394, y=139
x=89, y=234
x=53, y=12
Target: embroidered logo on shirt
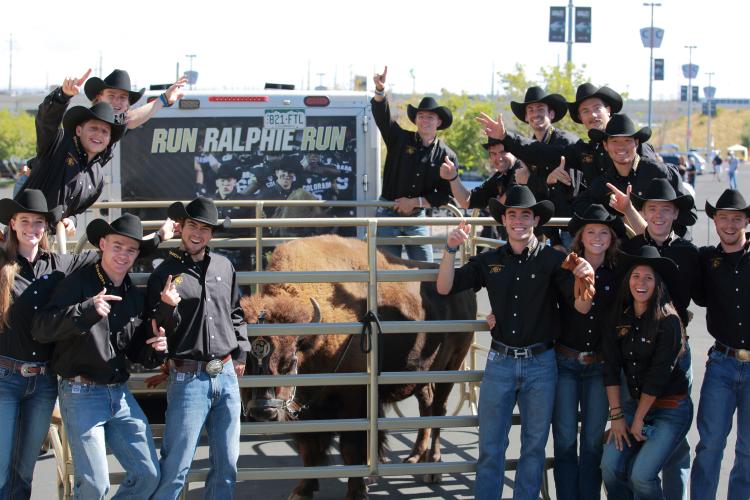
x=587, y=158
x=177, y=279
x=496, y=268
x=410, y=150
x=715, y=262
x=622, y=330
x=70, y=160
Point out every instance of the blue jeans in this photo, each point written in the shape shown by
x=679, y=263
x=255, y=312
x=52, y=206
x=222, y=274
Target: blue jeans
x=732, y=178
x=634, y=471
x=26, y=405
x=414, y=252
x=531, y=383
x=578, y=478
x=726, y=386
x=195, y=399
x=675, y=474
x=97, y=416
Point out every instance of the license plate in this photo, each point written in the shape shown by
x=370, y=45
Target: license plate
x=284, y=118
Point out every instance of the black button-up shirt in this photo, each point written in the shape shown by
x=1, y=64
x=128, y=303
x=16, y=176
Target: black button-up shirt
x=726, y=295
x=685, y=255
x=87, y=344
x=523, y=291
x=32, y=288
x=649, y=362
x=411, y=168
x=495, y=186
x=61, y=169
x=583, y=332
x=208, y=322
x=558, y=193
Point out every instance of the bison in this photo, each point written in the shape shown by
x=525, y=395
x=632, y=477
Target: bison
x=346, y=302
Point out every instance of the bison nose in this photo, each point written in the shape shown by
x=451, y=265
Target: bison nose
x=264, y=413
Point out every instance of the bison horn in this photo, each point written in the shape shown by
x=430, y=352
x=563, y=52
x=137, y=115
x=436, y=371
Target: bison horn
x=316, y=311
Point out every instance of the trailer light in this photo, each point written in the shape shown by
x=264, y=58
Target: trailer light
x=189, y=103
x=238, y=98
x=317, y=101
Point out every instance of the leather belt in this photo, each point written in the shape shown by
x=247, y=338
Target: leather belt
x=212, y=368
x=668, y=401
x=583, y=357
x=738, y=354
x=520, y=352
x=22, y=368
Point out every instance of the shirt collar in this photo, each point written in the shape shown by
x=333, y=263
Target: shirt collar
x=670, y=239
x=106, y=282
x=531, y=248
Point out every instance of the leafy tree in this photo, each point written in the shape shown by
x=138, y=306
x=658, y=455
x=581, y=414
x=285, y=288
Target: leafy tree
x=17, y=135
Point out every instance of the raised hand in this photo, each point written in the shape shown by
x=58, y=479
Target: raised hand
x=167, y=230
x=169, y=294
x=72, y=86
x=618, y=200
x=70, y=227
x=493, y=128
x=448, y=170
x=559, y=174
x=159, y=341
x=459, y=234
x=101, y=302
x=174, y=93
x=379, y=80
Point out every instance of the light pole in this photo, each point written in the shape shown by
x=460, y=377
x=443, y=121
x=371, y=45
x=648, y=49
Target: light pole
x=690, y=95
x=709, y=96
x=570, y=31
x=191, y=57
x=651, y=61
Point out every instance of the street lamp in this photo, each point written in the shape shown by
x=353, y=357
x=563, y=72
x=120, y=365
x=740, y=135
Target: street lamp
x=651, y=60
x=191, y=57
x=709, y=91
x=690, y=94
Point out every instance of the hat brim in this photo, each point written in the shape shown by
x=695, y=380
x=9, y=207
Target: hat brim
x=544, y=209
x=99, y=228
x=445, y=115
x=95, y=85
x=555, y=102
x=666, y=268
x=613, y=222
x=176, y=211
x=79, y=114
x=10, y=207
x=606, y=94
x=711, y=210
x=643, y=135
x=684, y=202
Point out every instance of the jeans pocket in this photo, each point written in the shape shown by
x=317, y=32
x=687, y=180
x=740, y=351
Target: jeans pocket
x=72, y=389
x=180, y=378
x=4, y=372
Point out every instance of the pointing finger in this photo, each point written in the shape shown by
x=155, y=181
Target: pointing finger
x=104, y=290
x=111, y=297
x=84, y=77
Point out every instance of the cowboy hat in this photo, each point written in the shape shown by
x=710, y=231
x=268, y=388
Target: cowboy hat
x=128, y=225
x=589, y=90
x=519, y=196
x=119, y=79
x=620, y=125
x=596, y=214
x=649, y=256
x=730, y=199
x=491, y=142
x=100, y=111
x=200, y=209
x=555, y=102
x=662, y=190
x=430, y=104
x=31, y=201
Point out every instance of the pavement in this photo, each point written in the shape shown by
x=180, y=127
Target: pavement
x=457, y=444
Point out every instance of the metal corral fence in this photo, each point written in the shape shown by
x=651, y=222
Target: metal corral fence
x=371, y=378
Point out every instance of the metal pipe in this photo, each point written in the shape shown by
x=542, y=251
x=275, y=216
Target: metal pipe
x=373, y=452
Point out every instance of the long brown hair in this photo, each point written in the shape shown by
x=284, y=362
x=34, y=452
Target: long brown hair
x=9, y=269
x=610, y=256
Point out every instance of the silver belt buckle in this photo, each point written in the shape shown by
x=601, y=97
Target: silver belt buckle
x=582, y=356
x=214, y=367
x=25, y=370
x=742, y=354
x=521, y=353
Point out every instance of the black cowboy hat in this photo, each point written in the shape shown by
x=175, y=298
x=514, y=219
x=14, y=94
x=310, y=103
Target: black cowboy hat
x=31, y=201
x=649, y=256
x=128, y=225
x=200, y=209
x=662, y=190
x=588, y=90
x=730, y=199
x=430, y=104
x=620, y=125
x=119, y=79
x=228, y=170
x=596, y=214
x=100, y=111
x=491, y=141
x=555, y=102
x=519, y=196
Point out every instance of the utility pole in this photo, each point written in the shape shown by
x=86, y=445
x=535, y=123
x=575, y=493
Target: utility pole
x=689, y=95
x=191, y=57
x=10, y=67
x=570, y=31
x=709, y=97
x=651, y=62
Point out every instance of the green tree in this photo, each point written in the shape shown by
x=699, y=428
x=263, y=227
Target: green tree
x=17, y=135
x=745, y=135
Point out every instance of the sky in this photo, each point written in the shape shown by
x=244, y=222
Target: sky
x=448, y=44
